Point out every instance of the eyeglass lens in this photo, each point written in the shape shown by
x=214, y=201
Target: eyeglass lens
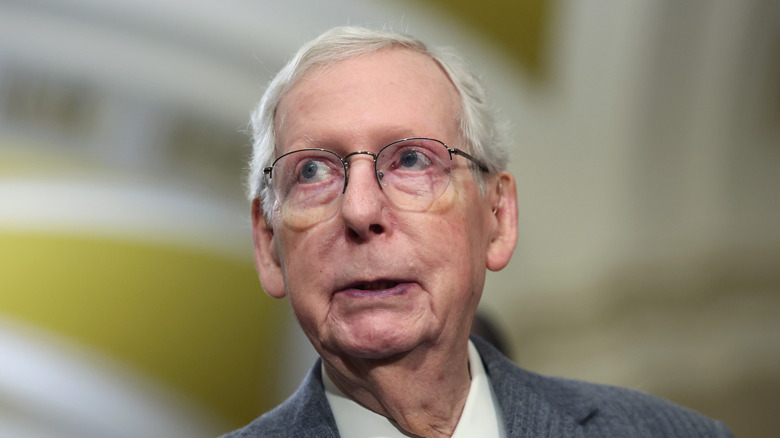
x=413, y=173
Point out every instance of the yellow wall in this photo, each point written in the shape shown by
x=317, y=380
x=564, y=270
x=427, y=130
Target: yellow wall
x=198, y=322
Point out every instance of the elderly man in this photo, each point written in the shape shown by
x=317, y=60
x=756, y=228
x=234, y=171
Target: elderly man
x=379, y=199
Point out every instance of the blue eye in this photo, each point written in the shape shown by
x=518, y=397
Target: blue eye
x=313, y=171
x=412, y=159
x=408, y=158
x=309, y=170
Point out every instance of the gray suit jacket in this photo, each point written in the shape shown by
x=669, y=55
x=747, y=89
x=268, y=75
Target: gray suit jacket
x=532, y=406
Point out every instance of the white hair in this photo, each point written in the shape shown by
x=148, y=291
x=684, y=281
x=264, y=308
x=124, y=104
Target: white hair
x=477, y=126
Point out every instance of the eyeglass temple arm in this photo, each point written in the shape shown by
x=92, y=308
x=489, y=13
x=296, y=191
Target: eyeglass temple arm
x=480, y=165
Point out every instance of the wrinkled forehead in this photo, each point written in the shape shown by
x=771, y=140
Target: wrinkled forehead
x=396, y=85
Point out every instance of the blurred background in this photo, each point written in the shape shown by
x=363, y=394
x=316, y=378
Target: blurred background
x=645, y=136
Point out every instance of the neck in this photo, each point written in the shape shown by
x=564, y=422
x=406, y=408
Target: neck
x=422, y=391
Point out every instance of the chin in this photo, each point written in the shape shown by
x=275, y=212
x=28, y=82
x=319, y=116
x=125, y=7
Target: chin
x=374, y=343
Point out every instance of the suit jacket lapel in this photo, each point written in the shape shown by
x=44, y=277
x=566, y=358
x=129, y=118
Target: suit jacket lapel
x=312, y=414
x=530, y=405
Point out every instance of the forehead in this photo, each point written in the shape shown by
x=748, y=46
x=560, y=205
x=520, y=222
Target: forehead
x=382, y=96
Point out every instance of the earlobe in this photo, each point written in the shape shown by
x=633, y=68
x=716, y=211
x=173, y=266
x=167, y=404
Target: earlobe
x=266, y=256
x=504, y=212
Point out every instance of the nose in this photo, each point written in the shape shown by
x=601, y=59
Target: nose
x=362, y=204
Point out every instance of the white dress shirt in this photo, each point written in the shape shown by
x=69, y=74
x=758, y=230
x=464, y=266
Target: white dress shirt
x=481, y=416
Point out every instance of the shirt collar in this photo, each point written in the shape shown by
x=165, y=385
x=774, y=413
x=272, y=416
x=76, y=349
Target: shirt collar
x=481, y=414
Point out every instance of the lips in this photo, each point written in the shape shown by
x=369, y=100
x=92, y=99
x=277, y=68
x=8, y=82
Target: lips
x=375, y=288
x=376, y=285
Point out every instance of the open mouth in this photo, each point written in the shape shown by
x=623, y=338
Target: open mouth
x=376, y=285
x=377, y=288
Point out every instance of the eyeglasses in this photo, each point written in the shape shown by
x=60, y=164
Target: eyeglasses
x=412, y=172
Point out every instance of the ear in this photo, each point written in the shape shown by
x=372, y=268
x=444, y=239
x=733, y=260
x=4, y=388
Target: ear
x=502, y=193
x=266, y=256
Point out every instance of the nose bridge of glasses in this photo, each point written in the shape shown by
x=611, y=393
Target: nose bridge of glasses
x=347, y=165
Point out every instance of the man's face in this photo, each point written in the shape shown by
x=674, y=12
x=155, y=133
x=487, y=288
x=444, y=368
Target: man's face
x=376, y=280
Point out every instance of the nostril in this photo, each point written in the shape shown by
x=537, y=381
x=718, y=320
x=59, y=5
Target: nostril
x=359, y=236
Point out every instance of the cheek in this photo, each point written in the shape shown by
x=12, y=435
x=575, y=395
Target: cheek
x=443, y=246
x=466, y=241
x=303, y=273
x=461, y=221
x=303, y=259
